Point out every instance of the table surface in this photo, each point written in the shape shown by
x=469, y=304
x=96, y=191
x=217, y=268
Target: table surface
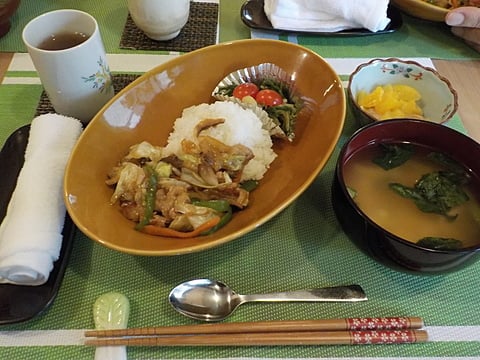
x=248, y=263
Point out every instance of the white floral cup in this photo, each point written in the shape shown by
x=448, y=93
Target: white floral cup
x=68, y=53
x=160, y=19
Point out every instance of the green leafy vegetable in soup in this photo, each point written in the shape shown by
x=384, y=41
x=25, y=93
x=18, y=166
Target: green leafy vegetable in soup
x=437, y=192
x=351, y=192
x=393, y=155
x=448, y=163
x=438, y=243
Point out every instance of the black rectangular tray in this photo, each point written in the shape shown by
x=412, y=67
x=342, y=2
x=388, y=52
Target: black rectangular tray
x=20, y=303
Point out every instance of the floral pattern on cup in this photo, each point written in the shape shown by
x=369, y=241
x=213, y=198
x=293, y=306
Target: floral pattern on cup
x=102, y=78
x=405, y=71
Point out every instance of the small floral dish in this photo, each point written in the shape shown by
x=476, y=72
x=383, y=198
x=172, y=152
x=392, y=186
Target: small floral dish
x=390, y=88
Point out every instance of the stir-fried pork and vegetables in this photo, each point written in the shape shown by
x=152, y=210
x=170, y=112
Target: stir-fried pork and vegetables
x=452, y=4
x=194, y=184
x=181, y=196
x=214, y=157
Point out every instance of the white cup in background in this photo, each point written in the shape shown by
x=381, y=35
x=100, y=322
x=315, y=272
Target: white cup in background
x=68, y=53
x=159, y=19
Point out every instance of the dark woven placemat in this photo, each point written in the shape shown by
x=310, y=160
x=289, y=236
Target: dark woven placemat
x=199, y=31
x=119, y=82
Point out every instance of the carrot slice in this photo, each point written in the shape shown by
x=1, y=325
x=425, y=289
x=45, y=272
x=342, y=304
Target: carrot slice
x=161, y=231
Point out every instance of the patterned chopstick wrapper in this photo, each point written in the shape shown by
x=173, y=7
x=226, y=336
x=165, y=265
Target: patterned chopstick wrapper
x=387, y=337
x=384, y=323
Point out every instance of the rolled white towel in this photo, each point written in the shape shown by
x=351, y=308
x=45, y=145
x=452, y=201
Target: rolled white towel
x=31, y=232
x=327, y=15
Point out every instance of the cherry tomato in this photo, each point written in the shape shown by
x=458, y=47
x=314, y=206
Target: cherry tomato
x=269, y=97
x=245, y=89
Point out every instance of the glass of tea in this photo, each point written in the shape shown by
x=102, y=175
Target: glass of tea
x=68, y=53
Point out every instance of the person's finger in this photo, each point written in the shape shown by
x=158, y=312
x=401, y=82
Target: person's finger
x=467, y=16
x=471, y=36
x=473, y=45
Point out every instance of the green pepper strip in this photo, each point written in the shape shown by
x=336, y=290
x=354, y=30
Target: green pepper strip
x=223, y=221
x=249, y=185
x=218, y=205
x=150, y=197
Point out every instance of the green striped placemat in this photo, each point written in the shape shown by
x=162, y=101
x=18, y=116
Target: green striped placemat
x=416, y=38
x=302, y=247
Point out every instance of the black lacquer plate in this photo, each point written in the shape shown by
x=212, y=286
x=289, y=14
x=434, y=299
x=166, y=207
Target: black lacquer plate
x=21, y=303
x=254, y=17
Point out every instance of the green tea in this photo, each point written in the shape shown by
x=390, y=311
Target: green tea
x=63, y=41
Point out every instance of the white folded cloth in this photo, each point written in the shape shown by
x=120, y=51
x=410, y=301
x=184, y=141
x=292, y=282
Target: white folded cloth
x=31, y=232
x=327, y=15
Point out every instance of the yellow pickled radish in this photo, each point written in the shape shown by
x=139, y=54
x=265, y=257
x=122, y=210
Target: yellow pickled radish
x=370, y=99
x=391, y=101
x=406, y=93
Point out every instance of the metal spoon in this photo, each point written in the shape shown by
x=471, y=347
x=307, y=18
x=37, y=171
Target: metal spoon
x=211, y=300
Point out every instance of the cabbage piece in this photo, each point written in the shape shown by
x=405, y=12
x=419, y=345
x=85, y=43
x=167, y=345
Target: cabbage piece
x=191, y=216
x=129, y=185
x=145, y=150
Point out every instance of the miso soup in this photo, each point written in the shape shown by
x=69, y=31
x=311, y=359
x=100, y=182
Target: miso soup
x=371, y=188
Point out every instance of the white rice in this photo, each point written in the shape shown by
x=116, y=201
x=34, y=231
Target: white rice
x=241, y=126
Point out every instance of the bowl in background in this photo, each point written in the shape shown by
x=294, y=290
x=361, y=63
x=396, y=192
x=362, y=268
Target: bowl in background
x=7, y=10
x=421, y=9
x=439, y=100
x=383, y=246
x=146, y=110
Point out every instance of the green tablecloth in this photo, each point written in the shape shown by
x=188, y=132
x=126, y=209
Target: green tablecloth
x=302, y=247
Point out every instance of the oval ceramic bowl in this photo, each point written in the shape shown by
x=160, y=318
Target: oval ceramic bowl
x=146, y=110
x=421, y=9
x=381, y=245
x=439, y=100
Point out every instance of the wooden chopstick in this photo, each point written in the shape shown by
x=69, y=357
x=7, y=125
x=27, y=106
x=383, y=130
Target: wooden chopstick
x=271, y=339
x=385, y=323
x=291, y=332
